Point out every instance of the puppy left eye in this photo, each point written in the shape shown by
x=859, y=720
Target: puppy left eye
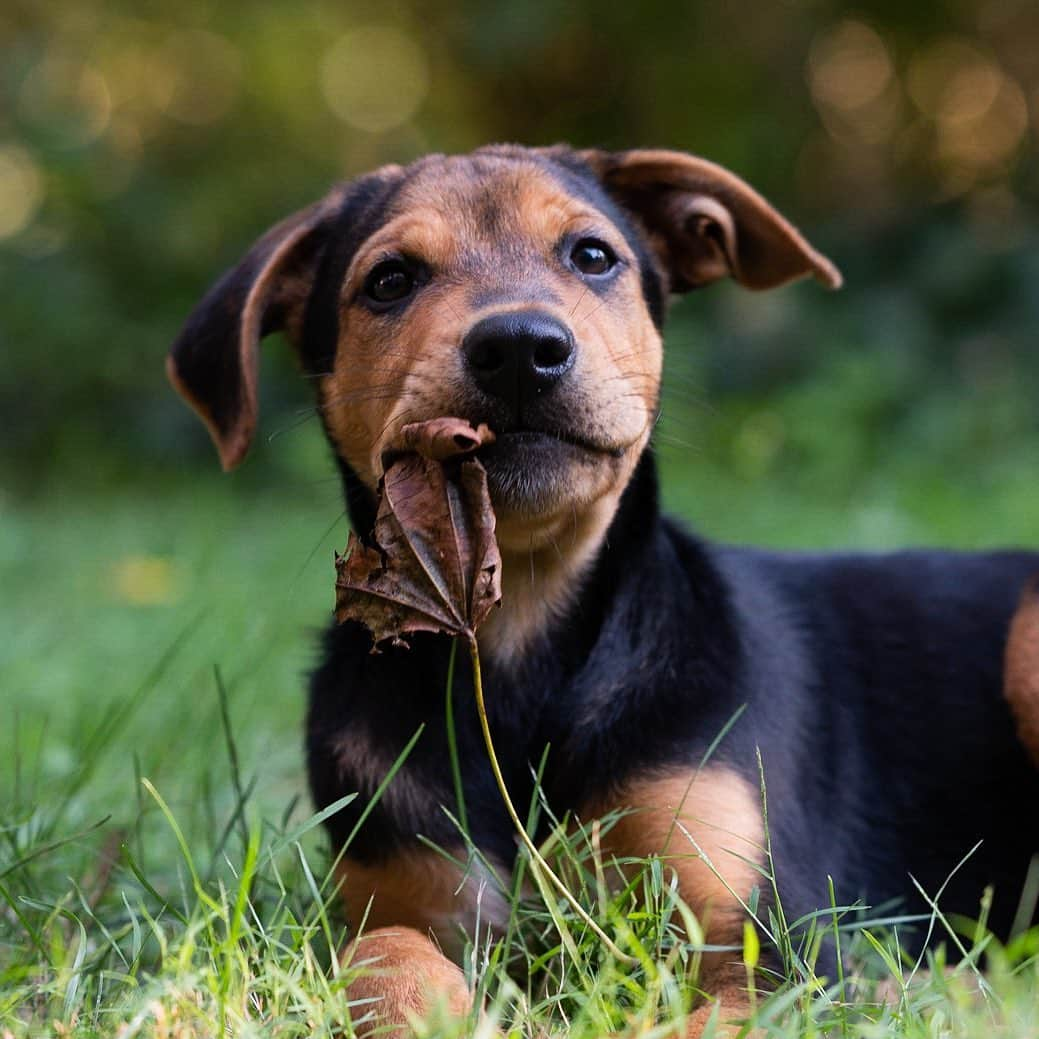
x=590, y=256
x=389, y=282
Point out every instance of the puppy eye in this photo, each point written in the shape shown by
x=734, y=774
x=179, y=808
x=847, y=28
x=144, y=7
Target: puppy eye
x=389, y=282
x=590, y=256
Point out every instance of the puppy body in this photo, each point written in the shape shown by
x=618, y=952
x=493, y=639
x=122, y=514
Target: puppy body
x=887, y=747
x=526, y=289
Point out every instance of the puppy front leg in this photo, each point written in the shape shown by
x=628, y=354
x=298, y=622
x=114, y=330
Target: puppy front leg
x=403, y=900
x=729, y=997
x=402, y=976
x=706, y=826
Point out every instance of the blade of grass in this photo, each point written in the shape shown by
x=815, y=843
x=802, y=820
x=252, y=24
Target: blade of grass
x=238, y=815
x=185, y=851
x=164, y=903
x=532, y=848
x=46, y=849
x=117, y=718
x=452, y=740
x=842, y=993
x=304, y=828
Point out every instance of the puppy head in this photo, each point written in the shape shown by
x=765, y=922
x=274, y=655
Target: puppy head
x=523, y=288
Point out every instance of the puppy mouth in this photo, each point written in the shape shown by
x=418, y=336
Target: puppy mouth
x=531, y=471
x=515, y=442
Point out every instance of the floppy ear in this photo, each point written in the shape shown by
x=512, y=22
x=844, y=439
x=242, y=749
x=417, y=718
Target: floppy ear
x=214, y=361
x=704, y=223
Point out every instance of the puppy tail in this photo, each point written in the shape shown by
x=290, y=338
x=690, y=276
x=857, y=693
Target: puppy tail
x=1021, y=668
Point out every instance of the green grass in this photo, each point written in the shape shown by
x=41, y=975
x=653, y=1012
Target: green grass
x=160, y=871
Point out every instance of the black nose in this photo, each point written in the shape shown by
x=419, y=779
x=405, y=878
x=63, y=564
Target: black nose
x=516, y=356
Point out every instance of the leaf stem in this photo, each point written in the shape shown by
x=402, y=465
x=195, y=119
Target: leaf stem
x=452, y=738
x=481, y=708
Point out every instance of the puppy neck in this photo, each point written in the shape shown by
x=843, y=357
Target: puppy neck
x=550, y=585
x=541, y=585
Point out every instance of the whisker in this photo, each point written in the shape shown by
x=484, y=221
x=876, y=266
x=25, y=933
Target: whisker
x=291, y=427
x=559, y=551
x=450, y=306
x=404, y=419
x=594, y=310
x=360, y=398
x=667, y=440
x=313, y=552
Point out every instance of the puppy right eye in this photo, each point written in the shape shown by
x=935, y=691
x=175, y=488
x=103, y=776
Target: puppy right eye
x=389, y=282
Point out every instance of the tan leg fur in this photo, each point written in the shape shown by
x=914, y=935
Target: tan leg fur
x=404, y=976
x=707, y=827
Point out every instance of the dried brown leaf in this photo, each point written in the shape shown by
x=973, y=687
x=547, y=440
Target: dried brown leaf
x=433, y=562
x=444, y=438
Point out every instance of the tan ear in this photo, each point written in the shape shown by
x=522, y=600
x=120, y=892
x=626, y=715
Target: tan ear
x=214, y=361
x=704, y=223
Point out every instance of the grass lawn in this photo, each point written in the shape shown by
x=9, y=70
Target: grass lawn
x=160, y=871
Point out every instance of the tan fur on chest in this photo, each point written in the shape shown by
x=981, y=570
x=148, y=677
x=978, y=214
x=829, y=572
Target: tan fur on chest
x=540, y=583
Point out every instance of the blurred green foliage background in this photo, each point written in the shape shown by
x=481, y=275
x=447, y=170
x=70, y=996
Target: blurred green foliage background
x=143, y=145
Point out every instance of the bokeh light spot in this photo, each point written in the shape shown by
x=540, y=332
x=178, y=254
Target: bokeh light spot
x=933, y=70
x=977, y=110
x=21, y=189
x=970, y=92
x=990, y=137
x=848, y=66
x=375, y=78
x=143, y=580
x=758, y=442
x=200, y=77
x=68, y=98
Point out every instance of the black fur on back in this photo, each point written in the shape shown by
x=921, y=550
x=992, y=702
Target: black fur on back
x=871, y=684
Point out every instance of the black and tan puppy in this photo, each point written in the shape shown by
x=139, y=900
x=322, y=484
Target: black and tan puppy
x=527, y=289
